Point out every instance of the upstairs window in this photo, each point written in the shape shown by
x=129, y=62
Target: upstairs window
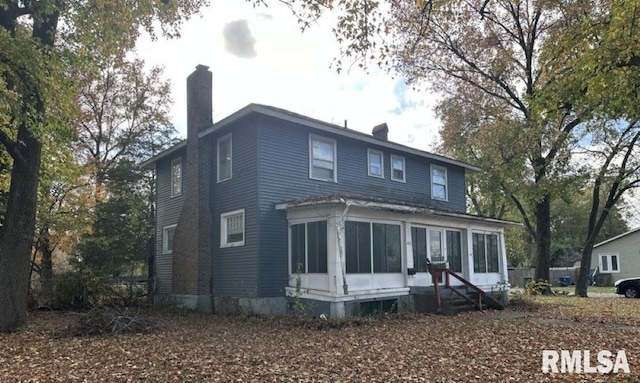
x=176, y=177
x=224, y=158
x=438, y=182
x=376, y=160
x=397, y=168
x=608, y=263
x=232, y=229
x=322, y=158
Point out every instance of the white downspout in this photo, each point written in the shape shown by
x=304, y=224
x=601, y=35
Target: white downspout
x=340, y=226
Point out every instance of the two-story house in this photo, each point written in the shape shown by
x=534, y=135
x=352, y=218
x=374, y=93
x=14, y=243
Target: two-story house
x=266, y=206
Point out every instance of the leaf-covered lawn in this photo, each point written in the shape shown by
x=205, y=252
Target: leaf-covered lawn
x=472, y=347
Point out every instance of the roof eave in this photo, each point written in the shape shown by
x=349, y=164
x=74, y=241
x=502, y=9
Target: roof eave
x=394, y=207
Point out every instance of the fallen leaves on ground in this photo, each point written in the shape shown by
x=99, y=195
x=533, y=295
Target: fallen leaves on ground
x=490, y=346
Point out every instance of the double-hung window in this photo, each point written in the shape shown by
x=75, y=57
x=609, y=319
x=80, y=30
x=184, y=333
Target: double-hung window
x=608, y=263
x=167, y=239
x=376, y=163
x=397, y=168
x=322, y=158
x=224, y=158
x=232, y=228
x=309, y=247
x=438, y=182
x=372, y=246
x=486, y=255
x=176, y=177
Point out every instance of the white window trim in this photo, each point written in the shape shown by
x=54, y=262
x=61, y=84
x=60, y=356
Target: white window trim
x=486, y=258
x=305, y=222
x=404, y=168
x=446, y=182
x=218, y=157
x=609, y=263
x=171, y=186
x=331, y=141
x=223, y=229
x=165, y=239
x=381, y=154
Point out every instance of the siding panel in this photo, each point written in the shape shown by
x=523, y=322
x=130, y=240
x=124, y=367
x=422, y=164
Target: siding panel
x=167, y=213
x=284, y=175
x=235, y=269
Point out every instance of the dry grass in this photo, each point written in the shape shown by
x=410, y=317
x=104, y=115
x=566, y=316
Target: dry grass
x=472, y=347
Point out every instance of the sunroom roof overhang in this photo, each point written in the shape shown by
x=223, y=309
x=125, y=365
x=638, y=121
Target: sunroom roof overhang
x=390, y=207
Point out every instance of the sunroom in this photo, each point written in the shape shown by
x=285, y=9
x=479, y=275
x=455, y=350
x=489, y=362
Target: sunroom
x=345, y=250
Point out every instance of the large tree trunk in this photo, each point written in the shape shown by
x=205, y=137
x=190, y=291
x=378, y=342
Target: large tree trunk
x=543, y=238
x=585, y=266
x=16, y=236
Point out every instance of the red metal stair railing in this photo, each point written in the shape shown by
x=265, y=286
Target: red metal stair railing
x=437, y=269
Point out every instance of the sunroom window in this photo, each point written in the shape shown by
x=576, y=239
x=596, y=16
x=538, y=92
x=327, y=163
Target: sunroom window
x=309, y=247
x=372, y=246
x=486, y=256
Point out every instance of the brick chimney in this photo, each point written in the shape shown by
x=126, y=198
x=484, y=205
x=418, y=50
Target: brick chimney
x=381, y=131
x=199, y=100
x=192, y=248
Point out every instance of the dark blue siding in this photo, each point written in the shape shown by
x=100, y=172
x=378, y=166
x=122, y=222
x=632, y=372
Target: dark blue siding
x=167, y=213
x=283, y=173
x=235, y=269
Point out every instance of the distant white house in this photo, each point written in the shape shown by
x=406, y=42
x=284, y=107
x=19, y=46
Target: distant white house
x=618, y=256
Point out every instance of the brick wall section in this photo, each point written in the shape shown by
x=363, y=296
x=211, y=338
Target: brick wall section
x=191, y=251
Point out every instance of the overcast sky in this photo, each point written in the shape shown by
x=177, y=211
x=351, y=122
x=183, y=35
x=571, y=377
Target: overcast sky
x=260, y=56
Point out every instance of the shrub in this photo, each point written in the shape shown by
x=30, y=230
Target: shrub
x=537, y=287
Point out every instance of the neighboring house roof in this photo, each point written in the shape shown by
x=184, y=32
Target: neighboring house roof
x=313, y=123
x=616, y=237
x=384, y=204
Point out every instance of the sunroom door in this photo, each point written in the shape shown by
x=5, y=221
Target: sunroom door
x=427, y=244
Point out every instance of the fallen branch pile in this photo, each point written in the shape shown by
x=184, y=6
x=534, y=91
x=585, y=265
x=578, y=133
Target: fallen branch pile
x=111, y=320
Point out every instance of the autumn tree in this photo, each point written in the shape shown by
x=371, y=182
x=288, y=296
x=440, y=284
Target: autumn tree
x=62, y=214
x=125, y=116
x=125, y=120
x=39, y=40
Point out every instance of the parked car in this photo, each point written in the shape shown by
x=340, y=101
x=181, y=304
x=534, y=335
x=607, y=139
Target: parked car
x=630, y=287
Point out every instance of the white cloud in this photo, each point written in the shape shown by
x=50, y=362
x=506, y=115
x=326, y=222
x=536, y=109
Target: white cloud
x=238, y=39
x=290, y=70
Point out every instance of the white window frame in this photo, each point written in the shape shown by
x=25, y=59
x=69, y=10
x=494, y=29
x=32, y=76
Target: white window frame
x=313, y=137
x=174, y=192
x=609, y=256
x=165, y=239
x=227, y=136
x=381, y=154
x=224, y=229
x=404, y=168
x=306, y=222
x=446, y=182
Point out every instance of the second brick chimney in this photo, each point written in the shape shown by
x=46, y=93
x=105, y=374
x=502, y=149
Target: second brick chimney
x=381, y=131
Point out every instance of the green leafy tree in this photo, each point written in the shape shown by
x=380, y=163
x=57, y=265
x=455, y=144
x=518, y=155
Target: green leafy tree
x=39, y=41
x=118, y=245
